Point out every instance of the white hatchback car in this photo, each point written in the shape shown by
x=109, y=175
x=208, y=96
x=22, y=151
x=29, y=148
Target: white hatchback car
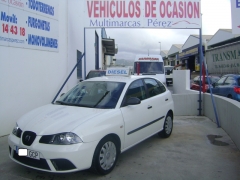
x=89, y=126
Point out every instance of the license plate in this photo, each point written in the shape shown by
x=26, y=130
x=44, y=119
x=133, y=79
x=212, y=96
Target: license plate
x=30, y=153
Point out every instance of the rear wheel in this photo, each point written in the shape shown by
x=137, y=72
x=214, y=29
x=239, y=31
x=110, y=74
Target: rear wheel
x=105, y=155
x=167, y=127
x=229, y=96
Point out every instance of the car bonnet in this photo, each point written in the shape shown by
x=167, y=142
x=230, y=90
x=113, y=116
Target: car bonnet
x=52, y=119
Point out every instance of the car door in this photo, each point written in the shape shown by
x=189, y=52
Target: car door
x=227, y=88
x=219, y=84
x=159, y=98
x=136, y=117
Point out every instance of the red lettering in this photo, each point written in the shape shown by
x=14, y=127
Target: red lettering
x=147, y=8
x=138, y=13
x=169, y=14
x=112, y=14
x=180, y=9
x=175, y=10
x=131, y=9
x=102, y=11
x=124, y=10
x=162, y=9
x=196, y=10
x=96, y=9
x=153, y=8
x=185, y=9
x=190, y=9
x=89, y=8
x=119, y=10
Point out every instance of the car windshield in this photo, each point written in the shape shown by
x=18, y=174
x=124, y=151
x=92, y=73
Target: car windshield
x=93, y=94
x=93, y=74
x=149, y=67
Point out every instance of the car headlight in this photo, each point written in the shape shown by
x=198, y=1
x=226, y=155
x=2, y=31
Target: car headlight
x=17, y=131
x=65, y=138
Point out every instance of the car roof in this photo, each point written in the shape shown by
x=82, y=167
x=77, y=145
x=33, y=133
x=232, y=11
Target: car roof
x=235, y=75
x=125, y=79
x=100, y=70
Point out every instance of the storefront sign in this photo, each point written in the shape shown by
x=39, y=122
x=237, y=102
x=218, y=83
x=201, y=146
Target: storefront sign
x=29, y=24
x=224, y=60
x=188, y=53
x=143, y=13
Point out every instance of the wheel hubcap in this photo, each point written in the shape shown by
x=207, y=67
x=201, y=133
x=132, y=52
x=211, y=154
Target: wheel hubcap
x=168, y=125
x=107, y=155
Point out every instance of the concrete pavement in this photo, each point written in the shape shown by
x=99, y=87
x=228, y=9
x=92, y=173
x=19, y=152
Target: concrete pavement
x=196, y=150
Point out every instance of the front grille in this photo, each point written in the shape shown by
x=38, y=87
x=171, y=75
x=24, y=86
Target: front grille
x=62, y=164
x=28, y=137
x=41, y=164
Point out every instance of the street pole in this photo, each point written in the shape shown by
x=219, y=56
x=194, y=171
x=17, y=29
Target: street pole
x=160, y=47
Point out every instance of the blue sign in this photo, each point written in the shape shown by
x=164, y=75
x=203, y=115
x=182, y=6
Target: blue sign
x=117, y=71
x=237, y=3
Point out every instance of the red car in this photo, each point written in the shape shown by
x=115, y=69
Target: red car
x=196, y=82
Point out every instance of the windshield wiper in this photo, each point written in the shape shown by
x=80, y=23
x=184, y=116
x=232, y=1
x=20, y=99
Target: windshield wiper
x=63, y=103
x=72, y=104
x=101, y=98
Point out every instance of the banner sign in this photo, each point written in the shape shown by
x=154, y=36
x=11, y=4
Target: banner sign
x=224, y=59
x=142, y=13
x=235, y=9
x=29, y=24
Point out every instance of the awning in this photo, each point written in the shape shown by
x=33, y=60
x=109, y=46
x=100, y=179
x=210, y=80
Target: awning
x=109, y=44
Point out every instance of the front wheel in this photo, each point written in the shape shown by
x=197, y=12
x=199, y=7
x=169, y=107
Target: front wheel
x=105, y=155
x=167, y=127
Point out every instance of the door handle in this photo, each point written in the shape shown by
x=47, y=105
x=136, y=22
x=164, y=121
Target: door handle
x=166, y=99
x=149, y=107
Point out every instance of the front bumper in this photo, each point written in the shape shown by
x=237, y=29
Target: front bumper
x=54, y=158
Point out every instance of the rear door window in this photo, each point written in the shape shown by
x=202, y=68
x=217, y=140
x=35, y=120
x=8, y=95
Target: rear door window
x=153, y=87
x=136, y=89
x=230, y=81
x=221, y=81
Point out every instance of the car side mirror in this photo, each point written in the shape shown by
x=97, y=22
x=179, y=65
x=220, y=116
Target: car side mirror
x=133, y=101
x=214, y=84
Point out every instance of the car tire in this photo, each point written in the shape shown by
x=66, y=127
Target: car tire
x=229, y=96
x=105, y=155
x=167, y=127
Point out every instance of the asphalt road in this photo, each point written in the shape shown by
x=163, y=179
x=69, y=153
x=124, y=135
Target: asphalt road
x=196, y=150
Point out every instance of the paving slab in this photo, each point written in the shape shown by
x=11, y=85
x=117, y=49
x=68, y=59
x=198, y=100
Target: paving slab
x=196, y=150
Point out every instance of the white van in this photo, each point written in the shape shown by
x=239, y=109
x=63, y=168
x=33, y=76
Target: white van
x=150, y=65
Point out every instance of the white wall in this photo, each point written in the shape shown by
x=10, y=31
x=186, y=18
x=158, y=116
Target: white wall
x=181, y=82
x=228, y=112
x=30, y=78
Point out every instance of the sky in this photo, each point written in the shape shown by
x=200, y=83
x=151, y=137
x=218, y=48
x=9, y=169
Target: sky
x=216, y=14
